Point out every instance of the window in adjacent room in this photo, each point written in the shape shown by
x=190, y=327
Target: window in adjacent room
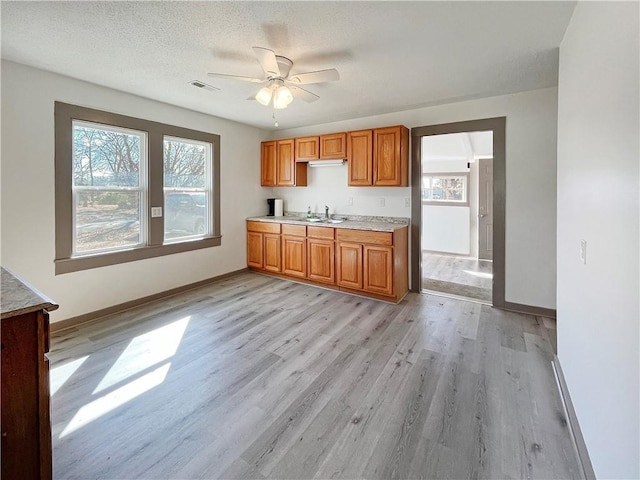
x=129, y=189
x=448, y=188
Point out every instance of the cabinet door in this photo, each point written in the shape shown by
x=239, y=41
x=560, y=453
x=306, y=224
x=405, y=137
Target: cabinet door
x=378, y=269
x=360, y=158
x=349, y=264
x=285, y=171
x=390, y=156
x=272, y=257
x=268, y=164
x=254, y=249
x=294, y=253
x=321, y=255
x=307, y=148
x=333, y=146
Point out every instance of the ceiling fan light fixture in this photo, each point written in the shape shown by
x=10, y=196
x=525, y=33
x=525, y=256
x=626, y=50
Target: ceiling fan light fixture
x=264, y=96
x=282, y=97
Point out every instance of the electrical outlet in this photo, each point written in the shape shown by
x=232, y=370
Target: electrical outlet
x=583, y=251
x=407, y=202
x=156, y=212
x=381, y=202
x=350, y=201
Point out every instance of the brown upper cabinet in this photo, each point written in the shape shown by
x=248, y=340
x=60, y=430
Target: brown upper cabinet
x=391, y=156
x=333, y=146
x=307, y=148
x=278, y=165
x=379, y=157
x=376, y=157
x=360, y=158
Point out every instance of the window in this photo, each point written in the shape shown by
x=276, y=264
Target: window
x=129, y=189
x=109, y=188
x=187, y=174
x=445, y=188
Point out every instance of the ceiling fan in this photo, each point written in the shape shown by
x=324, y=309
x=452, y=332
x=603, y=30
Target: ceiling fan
x=280, y=86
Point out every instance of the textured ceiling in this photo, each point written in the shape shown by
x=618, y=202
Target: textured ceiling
x=391, y=55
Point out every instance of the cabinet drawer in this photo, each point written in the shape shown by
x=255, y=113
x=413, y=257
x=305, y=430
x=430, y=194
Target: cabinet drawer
x=320, y=232
x=264, y=227
x=295, y=230
x=364, y=236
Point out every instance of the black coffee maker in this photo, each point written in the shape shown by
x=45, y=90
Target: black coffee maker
x=272, y=206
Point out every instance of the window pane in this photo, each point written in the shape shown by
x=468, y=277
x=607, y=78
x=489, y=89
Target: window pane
x=185, y=163
x=185, y=214
x=106, y=156
x=106, y=220
x=187, y=188
x=444, y=188
x=437, y=191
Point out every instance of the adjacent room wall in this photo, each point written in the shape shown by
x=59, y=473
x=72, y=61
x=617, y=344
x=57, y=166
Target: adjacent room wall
x=598, y=302
x=28, y=228
x=531, y=182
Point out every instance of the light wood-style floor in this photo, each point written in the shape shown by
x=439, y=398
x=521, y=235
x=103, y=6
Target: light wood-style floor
x=463, y=276
x=256, y=377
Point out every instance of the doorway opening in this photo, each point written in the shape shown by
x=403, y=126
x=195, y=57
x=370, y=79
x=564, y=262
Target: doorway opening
x=457, y=214
x=458, y=209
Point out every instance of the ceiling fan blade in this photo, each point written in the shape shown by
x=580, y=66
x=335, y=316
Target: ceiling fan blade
x=236, y=77
x=268, y=62
x=315, y=77
x=303, y=94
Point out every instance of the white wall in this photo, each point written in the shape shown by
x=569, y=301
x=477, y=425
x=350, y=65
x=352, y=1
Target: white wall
x=328, y=186
x=28, y=229
x=446, y=229
x=531, y=182
x=598, y=303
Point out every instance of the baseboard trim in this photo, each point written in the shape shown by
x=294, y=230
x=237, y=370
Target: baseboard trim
x=121, y=307
x=528, y=309
x=574, y=427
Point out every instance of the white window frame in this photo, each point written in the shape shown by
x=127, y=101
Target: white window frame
x=207, y=190
x=142, y=189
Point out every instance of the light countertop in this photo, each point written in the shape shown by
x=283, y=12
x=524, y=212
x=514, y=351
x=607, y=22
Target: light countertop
x=17, y=297
x=375, y=224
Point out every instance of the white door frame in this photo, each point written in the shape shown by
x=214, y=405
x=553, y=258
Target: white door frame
x=498, y=127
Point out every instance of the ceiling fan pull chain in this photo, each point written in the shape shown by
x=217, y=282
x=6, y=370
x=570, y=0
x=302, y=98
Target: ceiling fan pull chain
x=274, y=118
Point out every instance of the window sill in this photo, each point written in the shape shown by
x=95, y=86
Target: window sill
x=69, y=265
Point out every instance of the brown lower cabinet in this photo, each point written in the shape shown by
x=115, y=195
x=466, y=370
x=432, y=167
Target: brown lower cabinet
x=263, y=246
x=359, y=261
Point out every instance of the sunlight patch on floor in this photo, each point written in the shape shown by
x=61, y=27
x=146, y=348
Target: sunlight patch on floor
x=145, y=351
x=479, y=274
x=116, y=398
x=59, y=375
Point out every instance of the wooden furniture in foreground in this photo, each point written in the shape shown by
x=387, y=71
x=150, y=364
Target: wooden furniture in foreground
x=365, y=262
x=25, y=399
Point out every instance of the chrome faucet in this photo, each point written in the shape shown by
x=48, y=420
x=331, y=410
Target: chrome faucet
x=326, y=212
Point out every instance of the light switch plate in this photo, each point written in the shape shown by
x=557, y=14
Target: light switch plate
x=583, y=251
x=156, y=212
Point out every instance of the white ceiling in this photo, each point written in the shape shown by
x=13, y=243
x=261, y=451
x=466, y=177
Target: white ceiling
x=391, y=55
x=466, y=146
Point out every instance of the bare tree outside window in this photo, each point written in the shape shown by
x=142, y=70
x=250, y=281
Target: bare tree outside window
x=107, y=188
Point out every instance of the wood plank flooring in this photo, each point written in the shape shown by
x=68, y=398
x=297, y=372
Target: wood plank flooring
x=461, y=276
x=257, y=377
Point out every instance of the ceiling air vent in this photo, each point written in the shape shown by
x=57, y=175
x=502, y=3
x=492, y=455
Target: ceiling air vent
x=205, y=86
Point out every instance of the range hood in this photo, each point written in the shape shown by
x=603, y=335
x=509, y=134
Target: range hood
x=326, y=163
